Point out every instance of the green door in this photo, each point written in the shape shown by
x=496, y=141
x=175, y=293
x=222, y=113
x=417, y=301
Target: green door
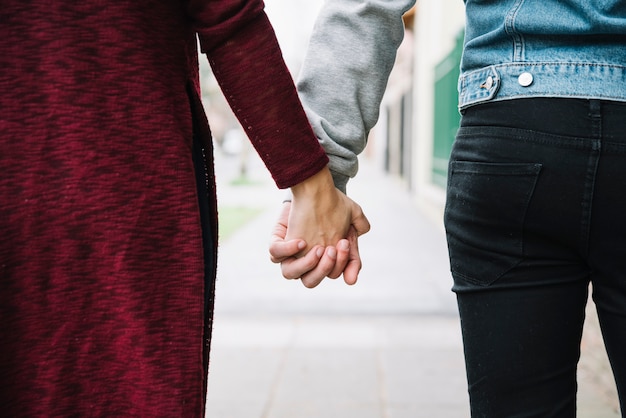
x=447, y=116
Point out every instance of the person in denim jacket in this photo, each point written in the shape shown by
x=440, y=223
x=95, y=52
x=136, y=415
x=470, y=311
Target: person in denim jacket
x=535, y=202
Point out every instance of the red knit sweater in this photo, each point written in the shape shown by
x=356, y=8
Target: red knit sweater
x=102, y=292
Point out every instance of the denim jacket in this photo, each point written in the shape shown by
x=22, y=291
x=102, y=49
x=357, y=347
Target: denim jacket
x=543, y=48
x=513, y=49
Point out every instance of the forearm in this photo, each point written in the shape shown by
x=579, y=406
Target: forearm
x=344, y=76
x=260, y=90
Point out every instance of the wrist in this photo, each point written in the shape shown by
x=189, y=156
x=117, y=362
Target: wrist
x=317, y=184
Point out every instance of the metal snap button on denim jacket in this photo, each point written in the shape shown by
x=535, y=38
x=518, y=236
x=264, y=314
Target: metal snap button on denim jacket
x=543, y=48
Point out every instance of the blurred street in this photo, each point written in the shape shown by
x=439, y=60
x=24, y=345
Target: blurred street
x=388, y=347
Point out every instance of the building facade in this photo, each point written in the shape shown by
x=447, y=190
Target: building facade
x=419, y=114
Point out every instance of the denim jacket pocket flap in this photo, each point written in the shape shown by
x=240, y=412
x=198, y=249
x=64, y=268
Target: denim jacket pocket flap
x=478, y=86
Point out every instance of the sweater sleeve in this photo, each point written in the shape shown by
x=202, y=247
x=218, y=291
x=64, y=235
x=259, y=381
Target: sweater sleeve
x=242, y=49
x=350, y=56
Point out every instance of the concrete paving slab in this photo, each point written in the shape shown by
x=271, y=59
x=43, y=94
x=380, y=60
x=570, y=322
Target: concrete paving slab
x=345, y=366
x=316, y=409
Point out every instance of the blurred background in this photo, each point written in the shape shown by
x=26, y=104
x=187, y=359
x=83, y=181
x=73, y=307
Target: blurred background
x=390, y=346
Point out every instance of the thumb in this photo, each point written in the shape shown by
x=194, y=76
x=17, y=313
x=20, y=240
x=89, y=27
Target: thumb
x=359, y=221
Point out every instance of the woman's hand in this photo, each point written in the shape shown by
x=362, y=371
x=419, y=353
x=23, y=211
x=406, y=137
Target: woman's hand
x=319, y=262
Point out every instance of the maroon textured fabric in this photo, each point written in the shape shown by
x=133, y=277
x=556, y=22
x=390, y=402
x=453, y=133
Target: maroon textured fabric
x=102, y=297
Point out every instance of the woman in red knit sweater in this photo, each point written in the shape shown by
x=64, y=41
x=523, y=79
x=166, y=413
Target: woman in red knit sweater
x=107, y=200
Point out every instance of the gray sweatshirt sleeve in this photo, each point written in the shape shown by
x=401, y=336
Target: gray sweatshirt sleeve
x=341, y=84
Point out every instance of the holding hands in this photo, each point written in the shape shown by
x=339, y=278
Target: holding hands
x=316, y=234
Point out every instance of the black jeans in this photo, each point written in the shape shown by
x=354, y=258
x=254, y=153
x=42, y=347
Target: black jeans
x=536, y=210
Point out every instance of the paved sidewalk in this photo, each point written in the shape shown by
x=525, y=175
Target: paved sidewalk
x=389, y=347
